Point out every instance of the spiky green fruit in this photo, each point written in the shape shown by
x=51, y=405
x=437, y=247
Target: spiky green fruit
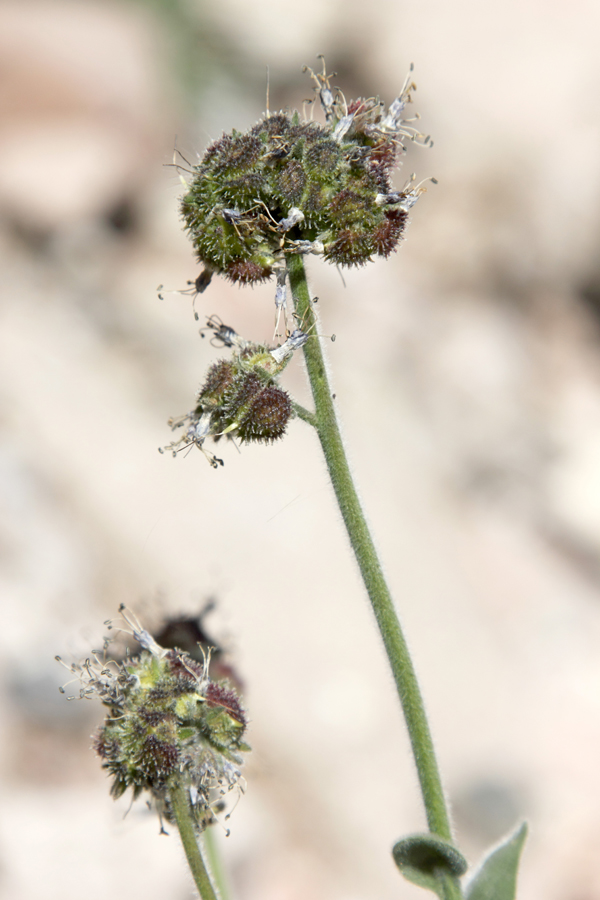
x=290, y=185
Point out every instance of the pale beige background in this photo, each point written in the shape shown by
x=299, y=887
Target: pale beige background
x=467, y=371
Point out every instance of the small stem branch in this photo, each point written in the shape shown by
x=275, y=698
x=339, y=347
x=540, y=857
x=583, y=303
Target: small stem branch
x=305, y=414
x=185, y=823
x=370, y=567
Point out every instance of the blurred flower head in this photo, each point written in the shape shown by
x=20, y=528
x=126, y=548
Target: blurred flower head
x=167, y=722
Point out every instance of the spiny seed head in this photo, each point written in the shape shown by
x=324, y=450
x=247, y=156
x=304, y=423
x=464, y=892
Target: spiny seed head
x=241, y=396
x=220, y=378
x=267, y=416
x=250, y=271
x=386, y=235
x=241, y=193
x=167, y=720
x=253, y=408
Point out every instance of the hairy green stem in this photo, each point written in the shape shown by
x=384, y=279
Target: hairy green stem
x=180, y=804
x=451, y=889
x=215, y=862
x=366, y=556
x=305, y=415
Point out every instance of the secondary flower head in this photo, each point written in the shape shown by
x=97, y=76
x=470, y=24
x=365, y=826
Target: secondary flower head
x=167, y=722
x=241, y=396
x=293, y=186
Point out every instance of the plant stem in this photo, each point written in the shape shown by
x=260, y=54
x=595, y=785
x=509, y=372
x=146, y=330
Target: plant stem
x=451, y=889
x=366, y=556
x=215, y=862
x=185, y=823
x=305, y=415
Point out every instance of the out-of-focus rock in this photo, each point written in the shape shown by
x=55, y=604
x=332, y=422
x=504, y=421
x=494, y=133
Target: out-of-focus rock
x=79, y=109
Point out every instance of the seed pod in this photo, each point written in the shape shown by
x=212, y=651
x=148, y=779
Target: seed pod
x=219, y=380
x=267, y=416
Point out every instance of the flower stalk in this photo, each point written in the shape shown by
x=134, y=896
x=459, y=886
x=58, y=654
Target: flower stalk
x=182, y=813
x=325, y=423
x=215, y=862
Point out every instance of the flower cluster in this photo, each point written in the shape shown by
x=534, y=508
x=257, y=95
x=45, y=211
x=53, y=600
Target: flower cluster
x=240, y=396
x=294, y=186
x=167, y=721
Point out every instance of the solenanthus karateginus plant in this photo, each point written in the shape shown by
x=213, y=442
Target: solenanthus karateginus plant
x=255, y=205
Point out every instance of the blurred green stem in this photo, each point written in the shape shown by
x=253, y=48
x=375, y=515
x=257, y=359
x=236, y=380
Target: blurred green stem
x=215, y=862
x=325, y=422
x=180, y=804
x=451, y=889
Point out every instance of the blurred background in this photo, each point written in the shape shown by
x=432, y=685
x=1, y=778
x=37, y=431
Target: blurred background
x=467, y=373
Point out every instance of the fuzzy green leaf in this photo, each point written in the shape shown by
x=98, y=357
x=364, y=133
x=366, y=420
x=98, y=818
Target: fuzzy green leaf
x=496, y=879
x=423, y=858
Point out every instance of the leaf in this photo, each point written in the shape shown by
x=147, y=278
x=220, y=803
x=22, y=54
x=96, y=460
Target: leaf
x=422, y=858
x=496, y=878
